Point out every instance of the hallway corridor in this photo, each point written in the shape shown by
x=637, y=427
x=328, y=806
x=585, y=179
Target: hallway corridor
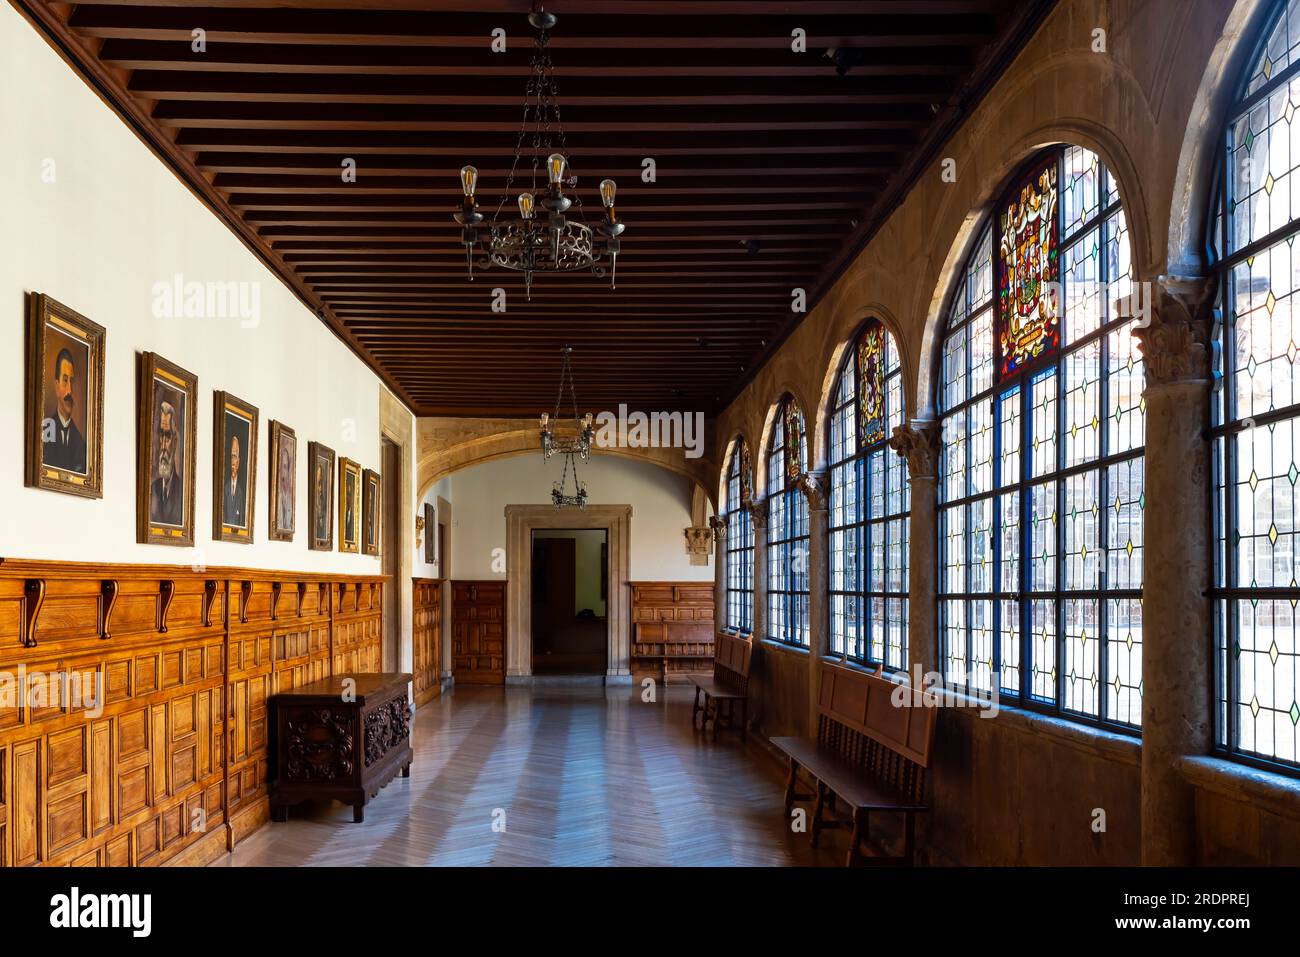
x=585, y=776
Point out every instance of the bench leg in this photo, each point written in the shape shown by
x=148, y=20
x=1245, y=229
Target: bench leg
x=817, y=812
x=695, y=708
x=717, y=715
x=790, y=788
x=744, y=718
x=860, y=830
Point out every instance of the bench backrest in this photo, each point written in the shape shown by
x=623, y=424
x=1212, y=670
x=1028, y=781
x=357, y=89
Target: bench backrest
x=873, y=721
x=731, y=662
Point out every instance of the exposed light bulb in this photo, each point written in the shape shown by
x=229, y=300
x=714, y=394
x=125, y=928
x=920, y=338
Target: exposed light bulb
x=607, y=190
x=468, y=180
x=555, y=165
x=526, y=205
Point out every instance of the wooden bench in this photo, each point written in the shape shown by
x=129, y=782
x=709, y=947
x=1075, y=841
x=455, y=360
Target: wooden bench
x=869, y=752
x=729, y=684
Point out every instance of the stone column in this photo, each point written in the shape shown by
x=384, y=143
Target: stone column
x=718, y=523
x=919, y=444
x=1176, y=566
x=758, y=516
x=815, y=488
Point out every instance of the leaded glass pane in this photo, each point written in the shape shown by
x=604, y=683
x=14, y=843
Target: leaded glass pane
x=1029, y=239
x=1082, y=656
x=1036, y=555
x=868, y=506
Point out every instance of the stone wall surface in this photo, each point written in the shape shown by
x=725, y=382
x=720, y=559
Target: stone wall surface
x=1023, y=788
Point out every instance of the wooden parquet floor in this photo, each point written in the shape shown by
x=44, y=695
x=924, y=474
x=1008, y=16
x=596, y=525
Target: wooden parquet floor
x=556, y=775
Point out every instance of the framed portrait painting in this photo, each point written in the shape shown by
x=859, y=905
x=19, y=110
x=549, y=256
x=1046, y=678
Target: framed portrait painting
x=430, y=534
x=234, y=468
x=370, y=512
x=165, y=453
x=320, y=503
x=349, y=505
x=65, y=399
x=283, y=475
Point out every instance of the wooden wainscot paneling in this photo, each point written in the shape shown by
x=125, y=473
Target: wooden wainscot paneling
x=427, y=638
x=672, y=629
x=133, y=725
x=478, y=643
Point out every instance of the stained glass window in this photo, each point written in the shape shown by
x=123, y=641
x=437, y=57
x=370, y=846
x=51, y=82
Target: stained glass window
x=1028, y=271
x=869, y=506
x=787, y=528
x=1040, y=484
x=1257, y=412
x=739, y=541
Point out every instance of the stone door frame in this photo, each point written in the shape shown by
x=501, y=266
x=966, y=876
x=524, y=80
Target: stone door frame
x=521, y=520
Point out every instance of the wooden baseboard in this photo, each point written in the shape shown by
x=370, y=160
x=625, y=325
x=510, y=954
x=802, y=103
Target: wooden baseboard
x=202, y=852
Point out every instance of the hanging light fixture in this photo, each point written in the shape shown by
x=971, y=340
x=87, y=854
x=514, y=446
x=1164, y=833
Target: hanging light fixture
x=580, y=443
x=574, y=447
x=547, y=240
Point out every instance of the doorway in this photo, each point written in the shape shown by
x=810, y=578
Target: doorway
x=569, y=601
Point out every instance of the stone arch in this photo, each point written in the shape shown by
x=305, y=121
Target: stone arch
x=1194, y=182
x=838, y=355
x=769, y=419
x=439, y=459
x=1075, y=132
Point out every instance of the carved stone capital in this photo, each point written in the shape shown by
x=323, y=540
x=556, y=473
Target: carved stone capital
x=919, y=444
x=758, y=513
x=816, y=488
x=699, y=543
x=718, y=525
x=1174, y=337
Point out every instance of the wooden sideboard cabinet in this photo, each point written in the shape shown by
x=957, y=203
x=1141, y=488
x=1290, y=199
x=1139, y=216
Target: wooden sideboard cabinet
x=328, y=747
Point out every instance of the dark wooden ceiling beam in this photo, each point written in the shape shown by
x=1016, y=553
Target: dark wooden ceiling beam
x=945, y=61
x=493, y=92
x=752, y=142
x=607, y=8
x=493, y=143
x=387, y=27
x=609, y=121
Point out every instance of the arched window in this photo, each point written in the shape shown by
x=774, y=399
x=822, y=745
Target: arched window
x=787, y=528
x=1041, y=493
x=869, y=505
x=1257, y=410
x=740, y=540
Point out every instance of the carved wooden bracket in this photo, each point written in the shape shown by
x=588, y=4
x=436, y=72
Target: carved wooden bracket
x=302, y=596
x=275, y=599
x=323, y=597
x=209, y=596
x=107, y=599
x=33, y=599
x=166, y=591
x=245, y=592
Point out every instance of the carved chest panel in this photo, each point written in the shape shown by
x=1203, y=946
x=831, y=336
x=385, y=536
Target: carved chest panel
x=341, y=738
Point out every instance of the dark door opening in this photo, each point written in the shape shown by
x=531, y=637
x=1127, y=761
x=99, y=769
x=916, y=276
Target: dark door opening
x=569, y=592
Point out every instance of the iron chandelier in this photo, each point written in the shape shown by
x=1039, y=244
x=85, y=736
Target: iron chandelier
x=540, y=240
x=573, y=448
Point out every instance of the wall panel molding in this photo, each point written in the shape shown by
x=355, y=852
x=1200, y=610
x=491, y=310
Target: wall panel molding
x=133, y=701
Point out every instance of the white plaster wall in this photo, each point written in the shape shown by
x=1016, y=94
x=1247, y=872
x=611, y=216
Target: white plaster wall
x=114, y=222
x=422, y=568
x=660, y=500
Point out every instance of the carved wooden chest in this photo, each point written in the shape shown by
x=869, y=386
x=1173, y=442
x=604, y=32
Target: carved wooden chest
x=341, y=738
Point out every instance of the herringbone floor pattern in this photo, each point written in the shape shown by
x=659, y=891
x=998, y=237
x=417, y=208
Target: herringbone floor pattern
x=556, y=776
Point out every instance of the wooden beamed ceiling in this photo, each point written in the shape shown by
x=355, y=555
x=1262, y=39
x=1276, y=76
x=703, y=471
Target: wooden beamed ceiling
x=772, y=169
